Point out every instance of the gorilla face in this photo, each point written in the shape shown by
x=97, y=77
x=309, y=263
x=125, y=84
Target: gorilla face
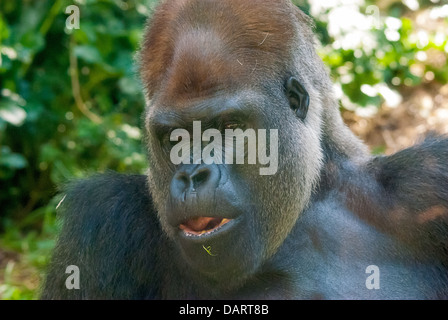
x=228, y=218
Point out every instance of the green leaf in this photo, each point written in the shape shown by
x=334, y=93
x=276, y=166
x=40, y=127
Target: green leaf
x=4, y=30
x=12, y=113
x=13, y=160
x=129, y=85
x=88, y=53
x=33, y=40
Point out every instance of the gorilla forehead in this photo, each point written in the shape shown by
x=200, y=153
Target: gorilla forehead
x=253, y=105
x=196, y=48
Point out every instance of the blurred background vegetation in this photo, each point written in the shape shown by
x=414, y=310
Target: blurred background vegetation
x=71, y=101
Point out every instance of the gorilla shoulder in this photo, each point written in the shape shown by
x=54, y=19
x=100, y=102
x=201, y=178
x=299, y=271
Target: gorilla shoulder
x=97, y=239
x=122, y=196
x=412, y=193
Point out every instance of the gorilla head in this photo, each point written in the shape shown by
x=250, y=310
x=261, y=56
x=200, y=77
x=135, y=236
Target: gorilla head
x=259, y=72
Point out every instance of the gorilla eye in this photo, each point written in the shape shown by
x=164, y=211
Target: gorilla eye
x=166, y=142
x=234, y=125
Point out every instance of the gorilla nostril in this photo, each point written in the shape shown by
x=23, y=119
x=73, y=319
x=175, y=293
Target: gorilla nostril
x=179, y=186
x=193, y=182
x=185, y=180
x=200, y=177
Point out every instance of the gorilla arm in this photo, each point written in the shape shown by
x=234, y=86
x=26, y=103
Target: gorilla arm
x=115, y=245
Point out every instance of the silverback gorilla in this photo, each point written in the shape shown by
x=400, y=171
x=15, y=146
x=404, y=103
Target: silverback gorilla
x=332, y=222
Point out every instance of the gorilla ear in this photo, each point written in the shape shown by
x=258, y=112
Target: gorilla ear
x=298, y=97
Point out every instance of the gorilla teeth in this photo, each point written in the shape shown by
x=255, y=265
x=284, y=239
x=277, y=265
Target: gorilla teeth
x=202, y=225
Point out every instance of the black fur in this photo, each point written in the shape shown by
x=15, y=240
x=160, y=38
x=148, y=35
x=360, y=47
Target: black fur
x=111, y=232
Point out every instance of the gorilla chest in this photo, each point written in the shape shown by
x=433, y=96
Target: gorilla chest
x=339, y=256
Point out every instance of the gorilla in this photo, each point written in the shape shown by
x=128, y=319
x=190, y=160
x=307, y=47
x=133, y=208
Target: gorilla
x=332, y=221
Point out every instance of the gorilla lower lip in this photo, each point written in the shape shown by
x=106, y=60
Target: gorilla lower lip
x=202, y=225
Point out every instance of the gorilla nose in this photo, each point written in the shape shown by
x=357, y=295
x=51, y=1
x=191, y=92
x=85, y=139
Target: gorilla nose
x=194, y=179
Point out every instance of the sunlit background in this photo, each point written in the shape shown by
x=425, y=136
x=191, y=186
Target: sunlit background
x=71, y=103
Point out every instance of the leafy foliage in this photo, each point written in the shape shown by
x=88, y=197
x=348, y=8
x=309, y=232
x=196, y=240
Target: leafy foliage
x=70, y=103
x=70, y=99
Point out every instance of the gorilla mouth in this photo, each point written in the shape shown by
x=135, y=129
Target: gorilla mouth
x=203, y=225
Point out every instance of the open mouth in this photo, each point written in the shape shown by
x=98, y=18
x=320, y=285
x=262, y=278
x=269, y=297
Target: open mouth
x=201, y=226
